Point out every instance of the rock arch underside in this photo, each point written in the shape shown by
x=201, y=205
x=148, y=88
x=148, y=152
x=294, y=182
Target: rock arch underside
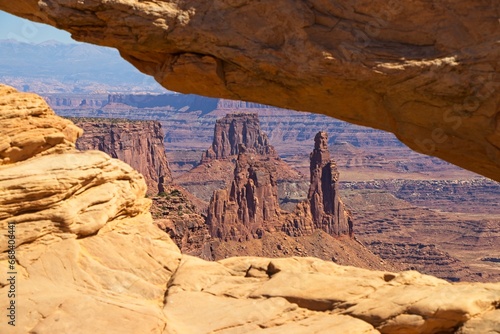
x=88, y=256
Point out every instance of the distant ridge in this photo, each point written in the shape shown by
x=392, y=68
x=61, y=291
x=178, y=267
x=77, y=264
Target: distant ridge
x=54, y=66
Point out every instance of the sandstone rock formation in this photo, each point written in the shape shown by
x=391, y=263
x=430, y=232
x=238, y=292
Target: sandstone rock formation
x=43, y=133
x=327, y=209
x=216, y=169
x=88, y=260
x=426, y=71
x=138, y=143
x=250, y=205
x=234, y=130
x=323, y=209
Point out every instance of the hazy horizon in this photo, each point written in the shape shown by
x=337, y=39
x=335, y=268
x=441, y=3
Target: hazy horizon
x=22, y=30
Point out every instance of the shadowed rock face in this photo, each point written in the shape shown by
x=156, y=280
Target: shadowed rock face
x=234, y=130
x=139, y=144
x=424, y=70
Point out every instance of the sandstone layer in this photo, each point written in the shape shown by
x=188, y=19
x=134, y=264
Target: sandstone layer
x=426, y=71
x=137, y=143
x=89, y=259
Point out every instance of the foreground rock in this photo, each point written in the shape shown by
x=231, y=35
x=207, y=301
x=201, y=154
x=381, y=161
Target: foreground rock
x=31, y=129
x=138, y=143
x=89, y=260
x=431, y=80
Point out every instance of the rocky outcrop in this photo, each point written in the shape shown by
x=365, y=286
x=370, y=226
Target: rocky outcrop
x=250, y=206
x=323, y=209
x=86, y=248
x=217, y=163
x=43, y=133
x=238, y=129
x=431, y=80
x=327, y=209
x=138, y=143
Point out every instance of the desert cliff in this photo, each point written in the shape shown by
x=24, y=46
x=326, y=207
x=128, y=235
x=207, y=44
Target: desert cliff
x=139, y=144
x=89, y=259
x=216, y=167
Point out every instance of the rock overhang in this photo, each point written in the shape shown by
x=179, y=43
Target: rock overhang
x=426, y=71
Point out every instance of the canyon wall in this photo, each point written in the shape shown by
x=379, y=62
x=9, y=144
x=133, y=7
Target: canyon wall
x=432, y=80
x=173, y=101
x=138, y=143
x=74, y=102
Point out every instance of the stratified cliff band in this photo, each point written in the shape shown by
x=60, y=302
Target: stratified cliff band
x=138, y=143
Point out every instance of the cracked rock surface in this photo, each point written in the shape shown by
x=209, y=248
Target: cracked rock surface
x=90, y=260
x=425, y=70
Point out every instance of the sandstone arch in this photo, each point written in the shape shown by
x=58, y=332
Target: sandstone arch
x=424, y=70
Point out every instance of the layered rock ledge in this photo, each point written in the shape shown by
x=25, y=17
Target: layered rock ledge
x=89, y=260
x=426, y=71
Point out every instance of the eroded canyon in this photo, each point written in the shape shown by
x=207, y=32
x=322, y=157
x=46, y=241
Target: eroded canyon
x=86, y=225
x=375, y=168
x=112, y=265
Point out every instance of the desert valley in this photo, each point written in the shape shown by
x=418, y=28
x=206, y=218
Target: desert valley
x=143, y=208
x=410, y=210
